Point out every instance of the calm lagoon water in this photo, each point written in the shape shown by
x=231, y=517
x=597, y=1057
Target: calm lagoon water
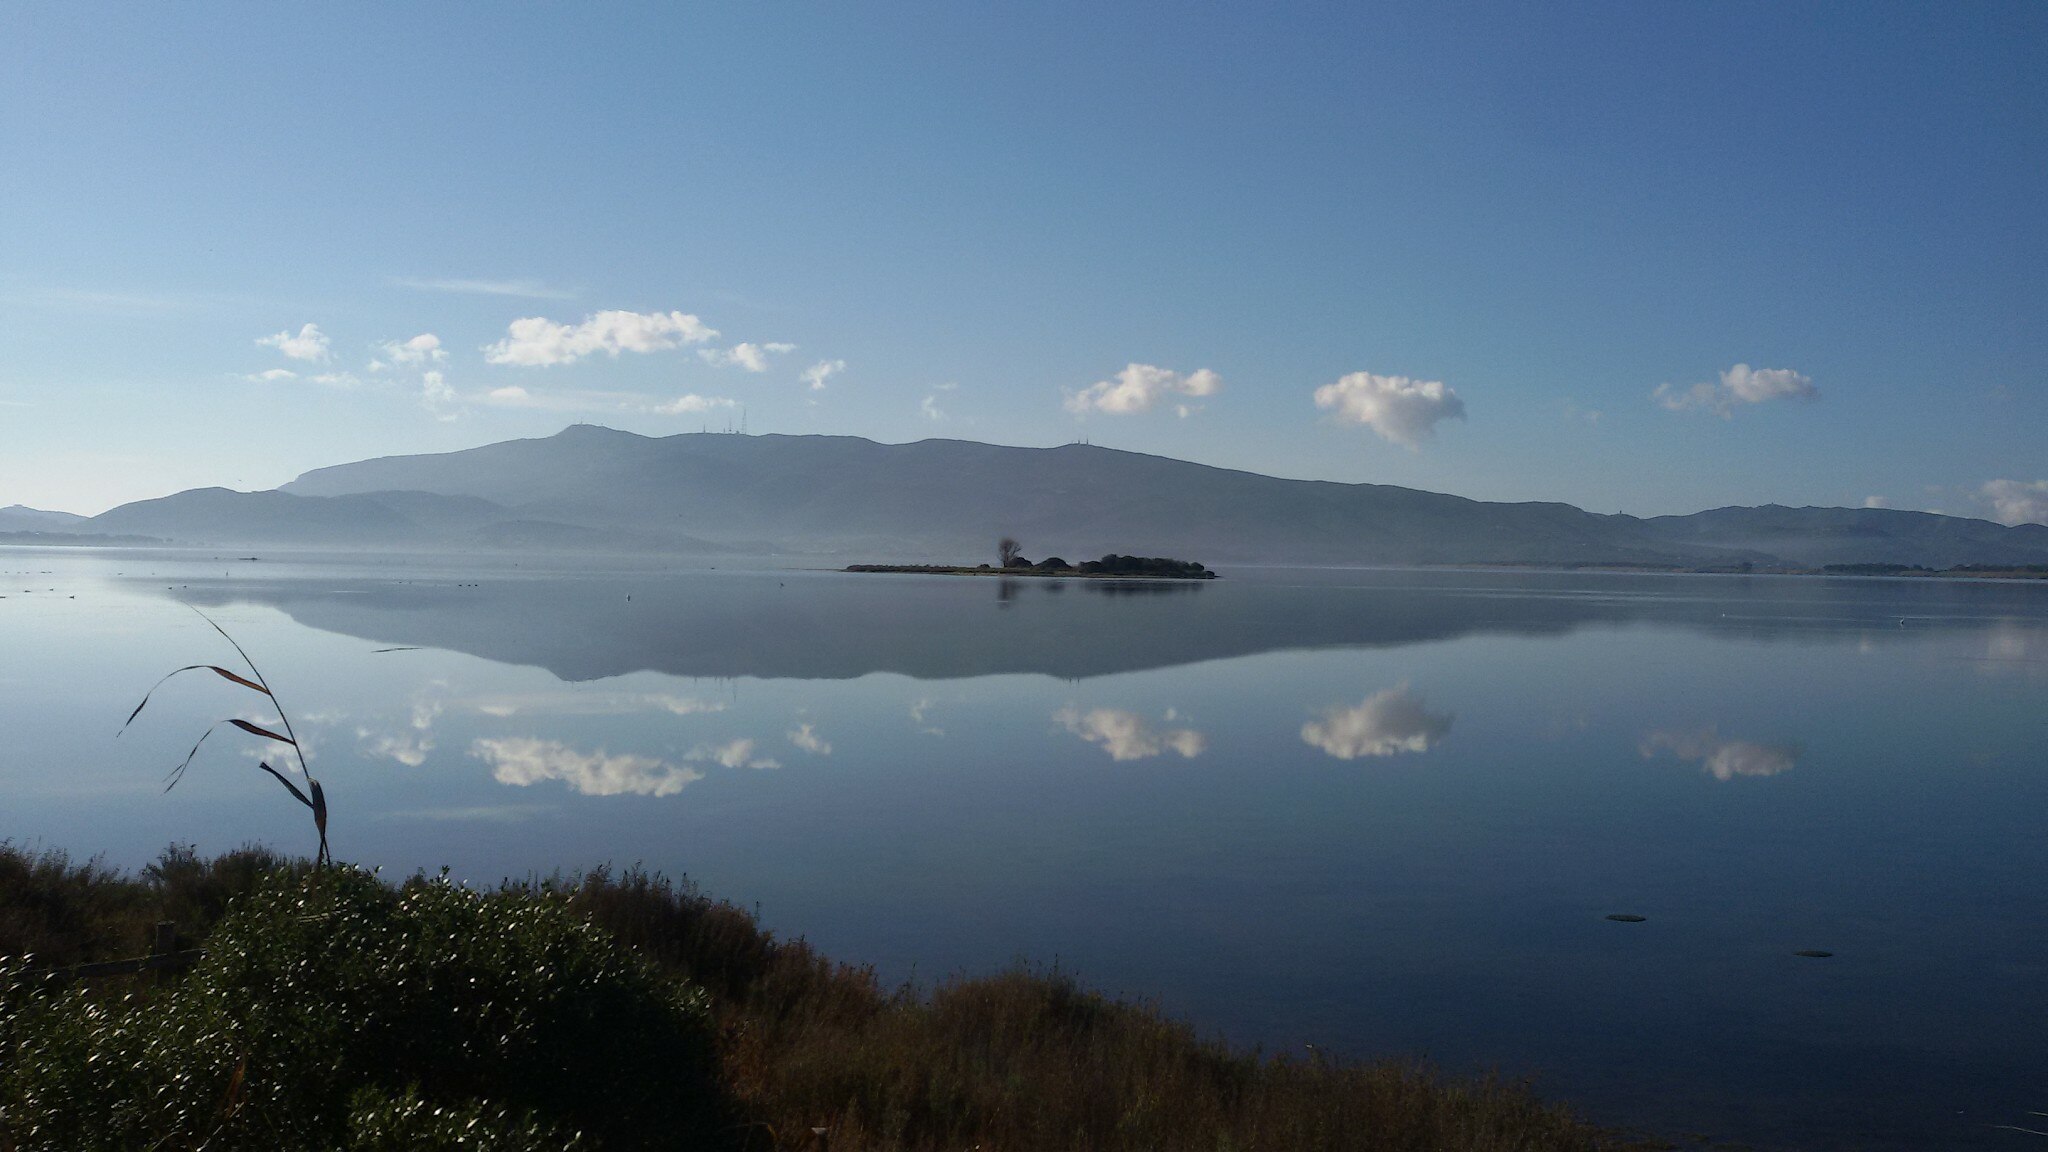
x=1382, y=812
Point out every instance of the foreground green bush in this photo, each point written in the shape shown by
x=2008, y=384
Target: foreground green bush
x=337, y=1012
x=333, y=1011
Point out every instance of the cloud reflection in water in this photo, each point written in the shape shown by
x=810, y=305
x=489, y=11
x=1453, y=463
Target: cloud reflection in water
x=1721, y=759
x=524, y=760
x=592, y=704
x=408, y=748
x=735, y=753
x=1386, y=723
x=806, y=737
x=1125, y=735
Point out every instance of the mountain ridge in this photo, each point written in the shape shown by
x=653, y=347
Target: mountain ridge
x=590, y=488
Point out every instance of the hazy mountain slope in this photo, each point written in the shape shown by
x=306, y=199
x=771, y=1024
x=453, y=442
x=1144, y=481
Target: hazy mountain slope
x=20, y=518
x=951, y=499
x=594, y=488
x=218, y=515
x=398, y=519
x=1817, y=536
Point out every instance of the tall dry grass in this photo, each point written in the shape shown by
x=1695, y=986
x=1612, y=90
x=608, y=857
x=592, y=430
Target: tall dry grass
x=1028, y=1059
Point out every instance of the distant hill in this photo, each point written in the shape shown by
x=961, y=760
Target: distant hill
x=19, y=518
x=1817, y=536
x=372, y=519
x=948, y=500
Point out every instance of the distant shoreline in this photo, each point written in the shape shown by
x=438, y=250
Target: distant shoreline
x=991, y=570
x=1888, y=571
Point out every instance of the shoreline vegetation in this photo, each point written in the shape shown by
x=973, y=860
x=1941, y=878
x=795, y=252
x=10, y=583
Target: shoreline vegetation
x=617, y=1010
x=1113, y=566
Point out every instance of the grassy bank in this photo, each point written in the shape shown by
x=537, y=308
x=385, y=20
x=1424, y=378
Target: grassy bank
x=615, y=1010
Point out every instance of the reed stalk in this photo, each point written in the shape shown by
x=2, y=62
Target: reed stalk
x=316, y=802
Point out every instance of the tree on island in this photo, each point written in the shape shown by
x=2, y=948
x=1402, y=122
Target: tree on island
x=1008, y=552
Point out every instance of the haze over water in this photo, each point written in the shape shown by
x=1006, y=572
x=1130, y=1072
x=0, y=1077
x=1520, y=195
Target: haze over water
x=1383, y=812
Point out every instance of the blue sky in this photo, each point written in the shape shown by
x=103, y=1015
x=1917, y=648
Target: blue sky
x=1641, y=257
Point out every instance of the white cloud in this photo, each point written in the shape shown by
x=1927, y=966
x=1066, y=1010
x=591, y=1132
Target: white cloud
x=1877, y=502
x=1126, y=735
x=1756, y=385
x=806, y=737
x=752, y=357
x=1739, y=385
x=1401, y=410
x=823, y=370
x=434, y=390
x=1721, y=759
x=523, y=761
x=273, y=375
x=2018, y=502
x=535, y=341
x=593, y=400
x=691, y=402
x=734, y=753
x=1140, y=387
x=531, y=289
x=930, y=407
x=421, y=349
x=309, y=344
x=1386, y=723
x=515, y=396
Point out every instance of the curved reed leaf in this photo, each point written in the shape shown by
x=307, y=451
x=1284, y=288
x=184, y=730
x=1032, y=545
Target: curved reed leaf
x=292, y=788
x=178, y=773
x=214, y=668
x=319, y=807
x=254, y=730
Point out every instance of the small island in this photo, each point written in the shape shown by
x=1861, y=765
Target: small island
x=1012, y=563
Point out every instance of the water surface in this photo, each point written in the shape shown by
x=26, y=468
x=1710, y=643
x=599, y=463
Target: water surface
x=1383, y=812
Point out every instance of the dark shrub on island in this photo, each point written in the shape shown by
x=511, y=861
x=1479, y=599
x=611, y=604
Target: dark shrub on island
x=1115, y=565
x=1112, y=565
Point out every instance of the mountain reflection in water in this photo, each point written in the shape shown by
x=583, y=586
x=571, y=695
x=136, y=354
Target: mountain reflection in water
x=833, y=626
